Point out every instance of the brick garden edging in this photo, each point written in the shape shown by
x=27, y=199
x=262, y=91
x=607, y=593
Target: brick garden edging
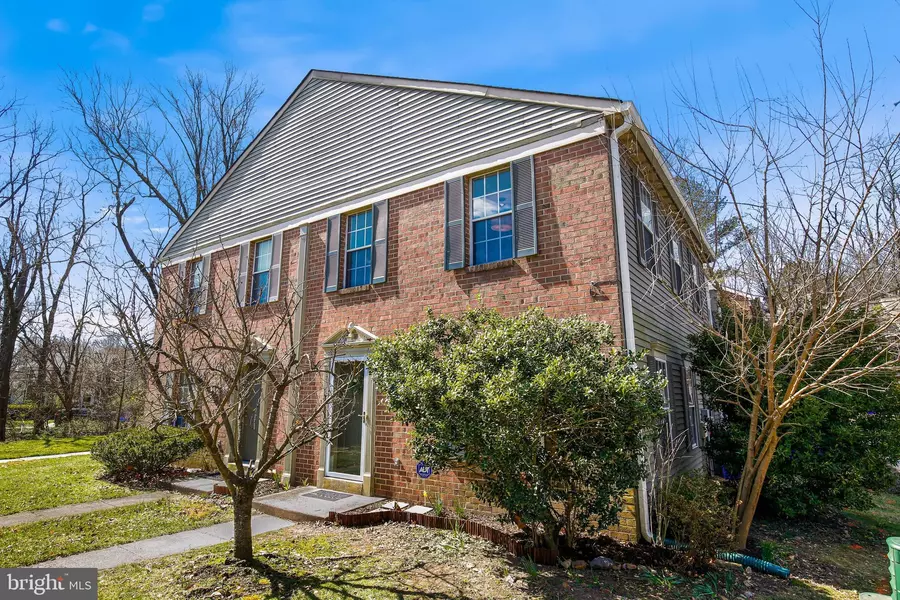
x=516, y=547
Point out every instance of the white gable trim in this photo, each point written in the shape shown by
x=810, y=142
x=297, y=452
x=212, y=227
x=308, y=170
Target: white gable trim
x=343, y=205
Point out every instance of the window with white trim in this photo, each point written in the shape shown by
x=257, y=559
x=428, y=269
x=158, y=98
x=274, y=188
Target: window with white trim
x=697, y=287
x=492, y=217
x=677, y=267
x=647, y=220
x=185, y=401
x=693, y=416
x=195, y=285
x=262, y=263
x=358, y=253
x=662, y=367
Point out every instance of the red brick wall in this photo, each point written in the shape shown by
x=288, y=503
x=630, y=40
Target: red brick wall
x=576, y=245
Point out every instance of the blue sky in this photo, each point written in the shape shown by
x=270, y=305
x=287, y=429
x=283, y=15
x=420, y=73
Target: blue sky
x=633, y=49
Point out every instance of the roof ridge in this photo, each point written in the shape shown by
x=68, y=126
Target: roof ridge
x=581, y=101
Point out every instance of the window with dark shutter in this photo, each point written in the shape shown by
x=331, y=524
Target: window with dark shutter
x=358, y=251
x=492, y=217
x=454, y=225
x=646, y=223
x=689, y=388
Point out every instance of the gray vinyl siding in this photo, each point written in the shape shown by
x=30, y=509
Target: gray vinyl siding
x=659, y=321
x=337, y=140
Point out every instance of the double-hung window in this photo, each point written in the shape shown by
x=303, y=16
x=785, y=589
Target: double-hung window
x=647, y=226
x=186, y=393
x=195, y=286
x=698, y=287
x=677, y=267
x=662, y=367
x=262, y=263
x=692, y=416
x=358, y=259
x=492, y=217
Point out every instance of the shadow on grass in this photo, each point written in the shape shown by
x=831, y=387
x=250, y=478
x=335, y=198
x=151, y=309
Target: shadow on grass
x=350, y=581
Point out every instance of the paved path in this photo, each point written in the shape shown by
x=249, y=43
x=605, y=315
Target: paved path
x=70, y=510
x=9, y=460
x=158, y=547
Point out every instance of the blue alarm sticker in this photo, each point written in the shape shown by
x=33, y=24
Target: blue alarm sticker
x=423, y=470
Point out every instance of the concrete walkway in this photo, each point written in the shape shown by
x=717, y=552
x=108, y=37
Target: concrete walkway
x=9, y=460
x=159, y=547
x=70, y=510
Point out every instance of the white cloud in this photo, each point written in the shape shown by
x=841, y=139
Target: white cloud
x=113, y=40
x=89, y=28
x=154, y=12
x=58, y=25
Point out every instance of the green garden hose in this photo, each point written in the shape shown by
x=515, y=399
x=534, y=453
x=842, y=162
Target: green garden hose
x=757, y=564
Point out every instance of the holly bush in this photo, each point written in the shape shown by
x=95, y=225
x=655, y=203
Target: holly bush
x=553, y=419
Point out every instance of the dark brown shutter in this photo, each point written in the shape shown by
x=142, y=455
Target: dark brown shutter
x=332, y=252
x=379, y=243
x=243, y=267
x=524, y=209
x=275, y=267
x=204, y=284
x=454, y=225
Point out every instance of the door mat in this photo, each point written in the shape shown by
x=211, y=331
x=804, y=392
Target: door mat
x=327, y=495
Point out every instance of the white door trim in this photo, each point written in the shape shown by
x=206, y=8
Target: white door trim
x=365, y=425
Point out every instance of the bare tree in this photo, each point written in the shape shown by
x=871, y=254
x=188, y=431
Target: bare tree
x=234, y=373
x=67, y=248
x=158, y=150
x=809, y=176
x=70, y=350
x=30, y=194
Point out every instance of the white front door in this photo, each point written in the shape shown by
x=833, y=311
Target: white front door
x=345, y=455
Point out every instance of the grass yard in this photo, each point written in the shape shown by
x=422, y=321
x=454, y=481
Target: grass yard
x=830, y=561
x=46, y=446
x=37, y=484
x=36, y=542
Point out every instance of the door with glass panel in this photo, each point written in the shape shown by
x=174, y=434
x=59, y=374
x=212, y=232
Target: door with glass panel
x=345, y=454
x=250, y=420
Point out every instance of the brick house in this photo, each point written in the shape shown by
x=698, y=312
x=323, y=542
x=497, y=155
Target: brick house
x=380, y=197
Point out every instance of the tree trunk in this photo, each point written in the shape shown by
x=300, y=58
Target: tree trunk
x=7, y=347
x=243, y=507
x=746, y=509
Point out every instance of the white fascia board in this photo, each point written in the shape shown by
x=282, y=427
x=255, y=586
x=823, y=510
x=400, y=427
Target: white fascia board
x=341, y=206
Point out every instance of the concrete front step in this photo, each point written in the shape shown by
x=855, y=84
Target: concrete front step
x=311, y=503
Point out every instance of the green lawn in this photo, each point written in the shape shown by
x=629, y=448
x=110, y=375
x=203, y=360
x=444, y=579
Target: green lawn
x=46, y=446
x=37, y=484
x=36, y=542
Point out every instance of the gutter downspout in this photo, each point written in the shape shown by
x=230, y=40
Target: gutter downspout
x=625, y=278
x=299, y=332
